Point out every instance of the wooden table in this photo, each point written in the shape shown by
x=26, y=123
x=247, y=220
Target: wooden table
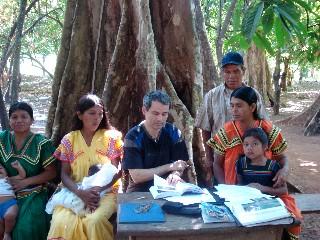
x=183, y=228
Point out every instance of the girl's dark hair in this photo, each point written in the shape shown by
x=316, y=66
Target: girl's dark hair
x=85, y=102
x=248, y=95
x=21, y=106
x=257, y=133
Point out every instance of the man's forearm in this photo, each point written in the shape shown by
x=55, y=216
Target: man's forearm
x=209, y=153
x=218, y=174
x=143, y=175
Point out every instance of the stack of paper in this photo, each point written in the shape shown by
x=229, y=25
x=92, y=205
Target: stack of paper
x=185, y=193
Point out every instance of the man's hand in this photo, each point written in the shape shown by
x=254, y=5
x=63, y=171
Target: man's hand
x=174, y=178
x=281, y=178
x=178, y=165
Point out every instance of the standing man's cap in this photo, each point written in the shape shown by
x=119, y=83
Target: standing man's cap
x=232, y=58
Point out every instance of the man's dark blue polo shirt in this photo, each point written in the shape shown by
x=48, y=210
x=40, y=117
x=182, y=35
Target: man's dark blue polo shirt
x=141, y=151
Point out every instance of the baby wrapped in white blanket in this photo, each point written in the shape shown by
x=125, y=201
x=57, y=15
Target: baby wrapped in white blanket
x=64, y=197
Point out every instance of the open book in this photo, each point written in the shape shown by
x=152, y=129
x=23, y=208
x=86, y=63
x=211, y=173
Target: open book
x=259, y=210
x=161, y=188
x=251, y=207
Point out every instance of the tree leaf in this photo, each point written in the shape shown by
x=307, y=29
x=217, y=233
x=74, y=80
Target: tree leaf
x=268, y=19
x=280, y=32
x=303, y=4
x=251, y=20
x=236, y=19
x=236, y=39
x=263, y=43
x=289, y=17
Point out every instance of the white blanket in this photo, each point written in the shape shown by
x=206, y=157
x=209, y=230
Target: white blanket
x=64, y=197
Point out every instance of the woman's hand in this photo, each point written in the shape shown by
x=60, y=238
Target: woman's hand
x=90, y=197
x=281, y=178
x=257, y=186
x=18, y=184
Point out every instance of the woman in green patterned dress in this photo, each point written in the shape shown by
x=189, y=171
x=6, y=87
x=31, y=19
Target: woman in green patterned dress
x=34, y=153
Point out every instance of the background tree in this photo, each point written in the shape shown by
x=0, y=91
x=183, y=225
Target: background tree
x=34, y=31
x=131, y=47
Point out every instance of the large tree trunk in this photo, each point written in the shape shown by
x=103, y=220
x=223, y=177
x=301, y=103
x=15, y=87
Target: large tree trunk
x=124, y=49
x=304, y=118
x=257, y=70
x=16, y=77
x=285, y=74
x=277, y=89
x=313, y=128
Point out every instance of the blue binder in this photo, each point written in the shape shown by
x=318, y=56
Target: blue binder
x=140, y=213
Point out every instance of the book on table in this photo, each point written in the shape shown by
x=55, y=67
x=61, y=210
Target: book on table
x=259, y=210
x=144, y=212
x=251, y=207
x=161, y=189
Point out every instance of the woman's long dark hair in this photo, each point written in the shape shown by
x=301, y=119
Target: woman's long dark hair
x=248, y=95
x=88, y=101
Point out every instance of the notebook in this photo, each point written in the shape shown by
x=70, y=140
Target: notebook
x=144, y=212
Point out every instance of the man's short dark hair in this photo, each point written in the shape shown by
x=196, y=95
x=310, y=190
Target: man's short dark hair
x=156, y=96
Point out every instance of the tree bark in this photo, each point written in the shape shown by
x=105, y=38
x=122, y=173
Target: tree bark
x=223, y=27
x=276, y=78
x=285, y=74
x=210, y=73
x=313, y=128
x=257, y=70
x=304, y=118
x=16, y=78
x=62, y=57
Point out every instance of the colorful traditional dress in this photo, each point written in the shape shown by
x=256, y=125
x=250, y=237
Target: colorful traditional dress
x=228, y=143
x=105, y=146
x=264, y=175
x=36, y=154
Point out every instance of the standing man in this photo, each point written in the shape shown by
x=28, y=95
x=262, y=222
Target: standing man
x=215, y=109
x=154, y=146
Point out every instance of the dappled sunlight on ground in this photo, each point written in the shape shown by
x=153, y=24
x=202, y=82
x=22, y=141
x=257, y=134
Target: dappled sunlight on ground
x=307, y=163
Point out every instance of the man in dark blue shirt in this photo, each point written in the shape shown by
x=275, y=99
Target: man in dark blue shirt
x=154, y=146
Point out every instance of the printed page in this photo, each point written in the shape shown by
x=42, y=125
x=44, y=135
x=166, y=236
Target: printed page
x=188, y=199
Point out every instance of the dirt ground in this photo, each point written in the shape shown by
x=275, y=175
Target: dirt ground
x=303, y=153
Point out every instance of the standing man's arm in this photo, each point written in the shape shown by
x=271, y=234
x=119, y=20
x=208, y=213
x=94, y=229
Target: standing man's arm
x=143, y=175
x=206, y=135
x=218, y=168
x=204, y=120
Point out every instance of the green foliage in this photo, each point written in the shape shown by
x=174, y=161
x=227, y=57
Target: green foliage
x=42, y=27
x=268, y=20
x=251, y=20
x=263, y=43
